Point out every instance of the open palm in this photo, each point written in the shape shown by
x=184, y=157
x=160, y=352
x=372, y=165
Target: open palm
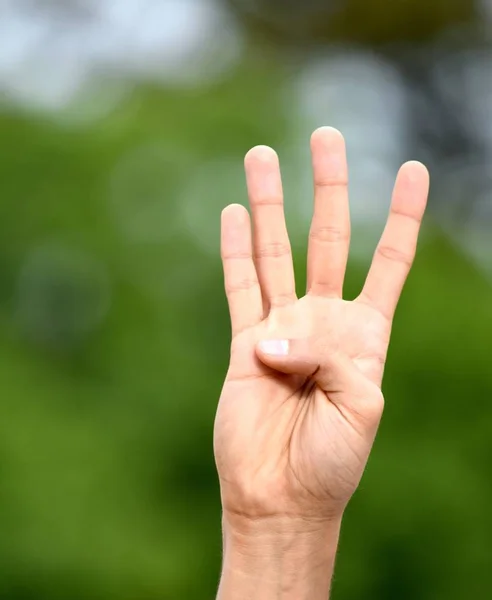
x=301, y=401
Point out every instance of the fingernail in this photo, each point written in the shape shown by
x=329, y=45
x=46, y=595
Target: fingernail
x=274, y=347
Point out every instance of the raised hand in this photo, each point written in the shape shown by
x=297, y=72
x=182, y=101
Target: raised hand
x=301, y=402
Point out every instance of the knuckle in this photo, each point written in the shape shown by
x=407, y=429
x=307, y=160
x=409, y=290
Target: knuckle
x=371, y=407
x=416, y=218
x=267, y=201
x=281, y=300
x=329, y=234
x=395, y=255
x=332, y=182
x=241, y=285
x=273, y=250
x=228, y=256
x=324, y=287
x=374, y=408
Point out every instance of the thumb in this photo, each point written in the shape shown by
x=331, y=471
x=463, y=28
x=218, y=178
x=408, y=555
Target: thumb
x=301, y=357
x=335, y=373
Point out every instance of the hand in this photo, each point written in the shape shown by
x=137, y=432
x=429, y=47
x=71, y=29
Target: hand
x=301, y=402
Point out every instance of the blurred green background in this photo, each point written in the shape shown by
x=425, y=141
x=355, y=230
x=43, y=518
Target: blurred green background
x=123, y=125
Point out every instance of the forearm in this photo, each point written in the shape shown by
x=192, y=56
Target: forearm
x=284, y=561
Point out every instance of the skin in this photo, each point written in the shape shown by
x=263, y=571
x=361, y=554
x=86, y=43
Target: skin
x=302, y=399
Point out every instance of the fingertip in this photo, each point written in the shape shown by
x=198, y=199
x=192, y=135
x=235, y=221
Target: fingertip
x=234, y=212
x=260, y=155
x=229, y=209
x=329, y=158
x=327, y=136
x=415, y=171
x=415, y=164
x=412, y=188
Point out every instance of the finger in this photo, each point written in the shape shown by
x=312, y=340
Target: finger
x=272, y=252
x=329, y=237
x=241, y=282
x=336, y=375
x=396, y=250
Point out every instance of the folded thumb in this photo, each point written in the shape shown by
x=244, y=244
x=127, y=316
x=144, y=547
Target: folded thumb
x=288, y=356
x=335, y=373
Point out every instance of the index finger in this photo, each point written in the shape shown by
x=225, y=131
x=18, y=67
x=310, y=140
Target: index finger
x=272, y=251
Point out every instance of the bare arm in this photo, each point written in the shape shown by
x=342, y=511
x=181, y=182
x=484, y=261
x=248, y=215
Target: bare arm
x=289, y=561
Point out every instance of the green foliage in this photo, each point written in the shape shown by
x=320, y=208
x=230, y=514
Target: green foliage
x=109, y=385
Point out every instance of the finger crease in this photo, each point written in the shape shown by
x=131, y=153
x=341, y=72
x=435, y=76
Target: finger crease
x=273, y=250
x=331, y=183
x=329, y=234
x=267, y=202
x=281, y=300
x=241, y=286
x=237, y=256
x=406, y=215
x=395, y=255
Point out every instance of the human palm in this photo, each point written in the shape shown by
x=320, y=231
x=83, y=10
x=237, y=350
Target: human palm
x=301, y=402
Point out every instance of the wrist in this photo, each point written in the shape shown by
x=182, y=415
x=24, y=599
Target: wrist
x=250, y=530
x=278, y=557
